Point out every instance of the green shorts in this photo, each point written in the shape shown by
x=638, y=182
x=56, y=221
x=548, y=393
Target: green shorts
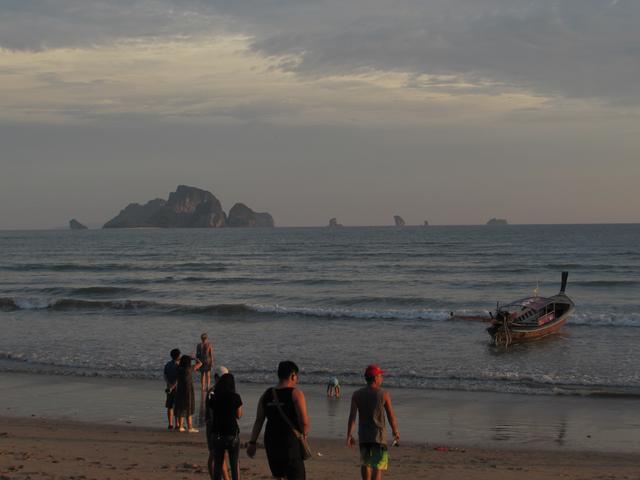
x=374, y=455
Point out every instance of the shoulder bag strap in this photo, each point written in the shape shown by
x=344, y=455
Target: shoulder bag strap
x=284, y=416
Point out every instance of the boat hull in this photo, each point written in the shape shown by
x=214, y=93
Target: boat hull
x=505, y=333
x=522, y=334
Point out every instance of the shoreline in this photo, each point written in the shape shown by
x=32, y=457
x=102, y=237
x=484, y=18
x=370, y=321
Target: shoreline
x=36, y=448
x=433, y=417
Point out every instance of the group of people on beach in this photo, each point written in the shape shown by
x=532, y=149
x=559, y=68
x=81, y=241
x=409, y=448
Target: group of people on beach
x=284, y=409
x=178, y=375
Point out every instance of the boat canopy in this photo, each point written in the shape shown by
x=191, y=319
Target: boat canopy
x=535, y=303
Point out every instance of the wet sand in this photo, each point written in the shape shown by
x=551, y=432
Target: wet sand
x=97, y=428
x=450, y=418
x=53, y=449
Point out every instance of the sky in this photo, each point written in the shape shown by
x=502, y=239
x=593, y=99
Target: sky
x=450, y=111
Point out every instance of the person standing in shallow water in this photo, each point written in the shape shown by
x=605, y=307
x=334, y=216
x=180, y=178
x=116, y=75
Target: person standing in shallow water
x=185, y=401
x=204, y=353
x=370, y=404
x=283, y=448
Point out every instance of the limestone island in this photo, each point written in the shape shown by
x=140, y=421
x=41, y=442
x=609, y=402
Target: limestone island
x=188, y=207
x=497, y=222
x=76, y=225
x=333, y=223
x=399, y=221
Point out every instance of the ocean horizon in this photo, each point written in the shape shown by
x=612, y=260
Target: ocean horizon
x=96, y=226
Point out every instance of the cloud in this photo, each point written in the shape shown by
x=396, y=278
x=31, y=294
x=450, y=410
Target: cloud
x=573, y=48
x=42, y=24
x=570, y=48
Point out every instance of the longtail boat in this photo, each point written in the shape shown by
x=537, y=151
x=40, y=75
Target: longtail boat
x=531, y=318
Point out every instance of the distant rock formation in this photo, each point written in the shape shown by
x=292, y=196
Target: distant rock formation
x=190, y=207
x=242, y=216
x=187, y=207
x=399, y=221
x=333, y=223
x=136, y=215
x=497, y=221
x=76, y=225
x=426, y=223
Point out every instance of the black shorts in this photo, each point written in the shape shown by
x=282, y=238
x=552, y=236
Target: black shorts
x=171, y=399
x=285, y=458
x=224, y=442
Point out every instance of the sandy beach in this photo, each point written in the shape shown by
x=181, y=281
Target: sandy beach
x=52, y=449
x=95, y=428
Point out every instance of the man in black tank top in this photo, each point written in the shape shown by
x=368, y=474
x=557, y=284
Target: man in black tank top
x=370, y=404
x=283, y=448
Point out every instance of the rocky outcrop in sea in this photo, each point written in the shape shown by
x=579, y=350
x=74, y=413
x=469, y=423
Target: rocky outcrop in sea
x=333, y=223
x=187, y=207
x=399, y=221
x=76, y=225
x=497, y=221
x=242, y=216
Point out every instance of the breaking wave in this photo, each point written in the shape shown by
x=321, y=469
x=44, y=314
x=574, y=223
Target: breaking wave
x=142, y=307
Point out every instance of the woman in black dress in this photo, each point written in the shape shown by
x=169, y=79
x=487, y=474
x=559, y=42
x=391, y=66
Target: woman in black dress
x=185, y=401
x=226, y=407
x=283, y=448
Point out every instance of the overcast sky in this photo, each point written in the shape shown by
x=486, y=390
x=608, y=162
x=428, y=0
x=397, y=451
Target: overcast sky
x=451, y=111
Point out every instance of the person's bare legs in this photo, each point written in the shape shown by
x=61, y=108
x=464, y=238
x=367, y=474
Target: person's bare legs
x=180, y=423
x=170, y=417
x=365, y=472
x=369, y=473
x=225, y=467
x=189, y=422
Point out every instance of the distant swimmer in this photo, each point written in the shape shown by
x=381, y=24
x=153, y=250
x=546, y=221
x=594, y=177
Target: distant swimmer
x=333, y=387
x=471, y=318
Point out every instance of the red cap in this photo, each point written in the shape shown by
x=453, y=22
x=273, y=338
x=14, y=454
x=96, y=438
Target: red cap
x=373, y=370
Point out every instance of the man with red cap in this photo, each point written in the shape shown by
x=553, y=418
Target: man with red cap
x=370, y=404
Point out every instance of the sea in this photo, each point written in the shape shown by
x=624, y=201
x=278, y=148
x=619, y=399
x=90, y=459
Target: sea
x=113, y=303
